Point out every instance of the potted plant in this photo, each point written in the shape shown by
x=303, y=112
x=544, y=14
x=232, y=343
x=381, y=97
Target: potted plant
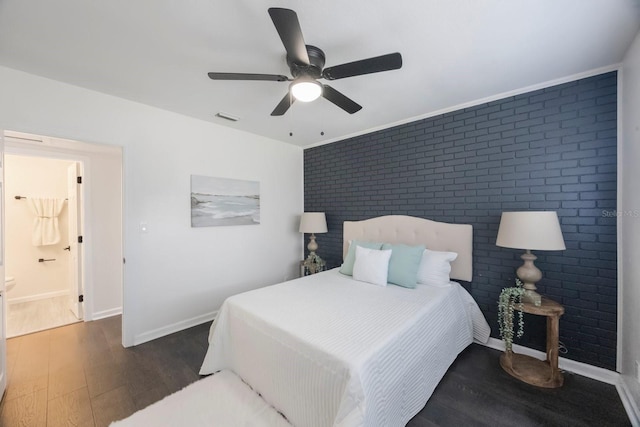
x=510, y=300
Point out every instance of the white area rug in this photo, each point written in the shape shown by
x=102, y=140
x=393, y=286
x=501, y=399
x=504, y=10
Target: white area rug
x=221, y=400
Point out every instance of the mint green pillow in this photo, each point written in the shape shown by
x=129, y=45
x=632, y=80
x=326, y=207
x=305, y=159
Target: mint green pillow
x=350, y=259
x=404, y=264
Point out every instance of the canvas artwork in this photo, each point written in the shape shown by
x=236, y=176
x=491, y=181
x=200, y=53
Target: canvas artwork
x=222, y=201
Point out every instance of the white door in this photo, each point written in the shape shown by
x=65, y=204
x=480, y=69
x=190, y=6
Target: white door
x=3, y=302
x=75, y=231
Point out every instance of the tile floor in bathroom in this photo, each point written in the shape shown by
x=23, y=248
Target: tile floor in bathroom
x=32, y=316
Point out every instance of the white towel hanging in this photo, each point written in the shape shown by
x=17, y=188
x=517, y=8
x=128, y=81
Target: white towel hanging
x=45, y=225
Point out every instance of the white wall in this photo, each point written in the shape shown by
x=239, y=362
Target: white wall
x=630, y=219
x=175, y=276
x=32, y=176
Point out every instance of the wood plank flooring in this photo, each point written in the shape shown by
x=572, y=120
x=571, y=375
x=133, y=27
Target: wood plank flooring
x=80, y=375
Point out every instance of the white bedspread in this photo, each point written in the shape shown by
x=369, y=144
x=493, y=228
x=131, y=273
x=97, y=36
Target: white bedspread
x=326, y=350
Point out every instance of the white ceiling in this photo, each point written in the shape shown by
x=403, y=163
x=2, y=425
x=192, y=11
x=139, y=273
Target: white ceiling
x=158, y=52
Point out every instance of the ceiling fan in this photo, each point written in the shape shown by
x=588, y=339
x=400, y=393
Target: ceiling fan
x=306, y=63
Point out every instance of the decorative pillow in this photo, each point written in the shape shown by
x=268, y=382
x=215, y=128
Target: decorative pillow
x=350, y=259
x=371, y=265
x=404, y=264
x=435, y=267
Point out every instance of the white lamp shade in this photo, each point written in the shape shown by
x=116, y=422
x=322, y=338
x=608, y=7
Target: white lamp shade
x=530, y=230
x=313, y=222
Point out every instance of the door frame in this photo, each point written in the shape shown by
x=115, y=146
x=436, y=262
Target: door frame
x=75, y=262
x=3, y=303
x=96, y=178
x=15, y=146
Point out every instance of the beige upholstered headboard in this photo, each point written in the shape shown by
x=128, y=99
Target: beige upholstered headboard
x=437, y=236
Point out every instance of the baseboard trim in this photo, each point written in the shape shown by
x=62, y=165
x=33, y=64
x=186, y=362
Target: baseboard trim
x=37, y=297
x=629, y=402
x=173, y=328
x=584, y=369
x=105, y=313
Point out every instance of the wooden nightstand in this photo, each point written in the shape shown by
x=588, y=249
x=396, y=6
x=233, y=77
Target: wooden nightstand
x=541, y=373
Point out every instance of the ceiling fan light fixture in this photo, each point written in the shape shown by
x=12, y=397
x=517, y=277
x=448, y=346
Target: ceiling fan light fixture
x=306, y=89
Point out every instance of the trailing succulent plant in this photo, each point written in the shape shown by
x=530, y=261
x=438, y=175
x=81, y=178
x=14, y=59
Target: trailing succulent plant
x=510, y=299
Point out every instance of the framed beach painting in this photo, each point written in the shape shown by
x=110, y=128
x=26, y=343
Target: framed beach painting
x=223, y=201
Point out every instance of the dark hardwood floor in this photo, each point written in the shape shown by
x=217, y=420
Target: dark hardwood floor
x=80, y=375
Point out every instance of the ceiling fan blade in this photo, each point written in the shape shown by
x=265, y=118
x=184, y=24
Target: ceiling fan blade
x=288, y=26
x=248, y=76
x=340, y=100
x=391, y=61
x=283, y=105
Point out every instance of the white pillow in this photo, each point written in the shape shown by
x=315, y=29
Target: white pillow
x=371, y=266
x=435, y=267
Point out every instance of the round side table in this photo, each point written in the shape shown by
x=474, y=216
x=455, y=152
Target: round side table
x=541, y=373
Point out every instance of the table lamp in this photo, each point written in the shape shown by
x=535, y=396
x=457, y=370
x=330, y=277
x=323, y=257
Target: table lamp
x=313, y=222
x=531, y=230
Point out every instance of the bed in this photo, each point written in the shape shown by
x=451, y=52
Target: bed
x=327, y=350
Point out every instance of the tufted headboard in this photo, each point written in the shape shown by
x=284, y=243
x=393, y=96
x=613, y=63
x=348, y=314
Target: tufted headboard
x=437, y=236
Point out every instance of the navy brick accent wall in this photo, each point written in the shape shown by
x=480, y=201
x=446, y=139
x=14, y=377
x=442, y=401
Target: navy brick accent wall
x=551, y=149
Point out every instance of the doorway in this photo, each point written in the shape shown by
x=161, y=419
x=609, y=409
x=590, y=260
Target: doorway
x=101, y=194
x=43, y=260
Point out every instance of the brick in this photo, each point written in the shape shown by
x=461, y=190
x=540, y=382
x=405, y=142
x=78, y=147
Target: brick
x=529, y=137
x=530, y=107
x=546, y=143
x=500, y=128
x=515, y=133
x=552, y=149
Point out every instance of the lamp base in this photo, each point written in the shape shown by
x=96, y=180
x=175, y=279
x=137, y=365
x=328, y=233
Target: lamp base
x=312, y=246
x=532, y=297
x=529, y=274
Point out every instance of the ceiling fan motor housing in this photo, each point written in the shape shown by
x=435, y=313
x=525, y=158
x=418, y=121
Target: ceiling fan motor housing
x=313, y=69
